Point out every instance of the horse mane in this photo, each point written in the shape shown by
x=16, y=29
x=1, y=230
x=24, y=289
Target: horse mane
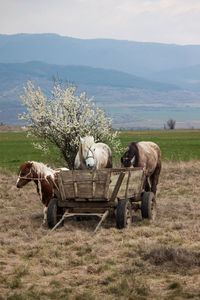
x=80, y=152
x=88, y=141
x=42, y=170
x=133, y=150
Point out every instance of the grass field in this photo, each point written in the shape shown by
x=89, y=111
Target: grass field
x=16, y=148
x=149, y=261
x=176, y=145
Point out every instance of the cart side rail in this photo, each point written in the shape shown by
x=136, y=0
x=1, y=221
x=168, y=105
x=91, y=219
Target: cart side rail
x=99, y=185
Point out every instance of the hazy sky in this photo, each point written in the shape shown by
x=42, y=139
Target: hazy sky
x=166, y=21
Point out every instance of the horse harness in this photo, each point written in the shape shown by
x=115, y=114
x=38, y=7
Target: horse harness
x=39, y=179
x=88, y=155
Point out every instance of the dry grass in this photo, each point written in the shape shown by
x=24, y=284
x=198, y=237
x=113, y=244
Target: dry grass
x=157, y=260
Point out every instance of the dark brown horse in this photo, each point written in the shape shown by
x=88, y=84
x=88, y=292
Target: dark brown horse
x=146, y=155
x=38, y=172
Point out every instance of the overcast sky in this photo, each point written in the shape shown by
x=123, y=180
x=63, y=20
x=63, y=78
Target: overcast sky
x=165, y=21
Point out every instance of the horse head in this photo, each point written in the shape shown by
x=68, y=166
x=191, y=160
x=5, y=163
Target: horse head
x=130, y=156
x=24, y=174
x=88, y=151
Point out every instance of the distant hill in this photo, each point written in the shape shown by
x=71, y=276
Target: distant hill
x=136, y=58
x=139, y=85
x=187, y=78
x=131, y=101
x=22, y=72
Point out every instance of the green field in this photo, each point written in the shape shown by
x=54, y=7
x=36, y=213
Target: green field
x=175, y=145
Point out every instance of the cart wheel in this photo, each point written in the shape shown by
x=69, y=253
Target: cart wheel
x=123, y=214
x=54, y=213
x=148, y=206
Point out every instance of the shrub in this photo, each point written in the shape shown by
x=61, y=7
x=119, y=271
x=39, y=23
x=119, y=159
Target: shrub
x=63, y=118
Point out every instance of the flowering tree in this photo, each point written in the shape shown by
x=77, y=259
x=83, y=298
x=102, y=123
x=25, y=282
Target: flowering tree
x=63, y=118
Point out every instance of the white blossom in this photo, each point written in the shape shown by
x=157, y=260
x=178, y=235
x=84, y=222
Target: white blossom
x=63, y=118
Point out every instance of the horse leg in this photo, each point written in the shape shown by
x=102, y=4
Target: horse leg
x=45, y=215
x=147, y=187
x=154, y=179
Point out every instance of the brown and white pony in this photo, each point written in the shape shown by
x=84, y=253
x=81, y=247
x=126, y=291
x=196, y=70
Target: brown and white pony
x=38, y=172
x=92, y=155
x=144, y=154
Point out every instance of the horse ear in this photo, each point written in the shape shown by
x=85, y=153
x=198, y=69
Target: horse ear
x=81, y=139
x=29, y=164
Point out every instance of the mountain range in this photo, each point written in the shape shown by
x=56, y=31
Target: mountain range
x=79, y=75
x=135, y=58
x=126, y=78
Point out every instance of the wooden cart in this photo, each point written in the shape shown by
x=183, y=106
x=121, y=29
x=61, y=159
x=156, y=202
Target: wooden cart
x=100, y=193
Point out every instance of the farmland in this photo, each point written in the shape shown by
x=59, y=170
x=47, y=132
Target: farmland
x=150, y=260
x=157, y=260
x=176, y=145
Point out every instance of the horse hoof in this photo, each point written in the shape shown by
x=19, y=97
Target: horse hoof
x=44, y=223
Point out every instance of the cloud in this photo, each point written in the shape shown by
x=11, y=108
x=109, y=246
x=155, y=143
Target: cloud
x=169, y=21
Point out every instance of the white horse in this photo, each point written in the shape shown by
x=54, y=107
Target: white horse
x=92, y=155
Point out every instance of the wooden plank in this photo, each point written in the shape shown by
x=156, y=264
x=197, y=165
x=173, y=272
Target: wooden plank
x=106, y=213
x=114, y=180
x=127, y=184
x=94, y=199
x=143, y=179
x=61, y=188
x=83, y=214
x=135, y=183
x=131, y=184
x=74, y=185
x=93, y=184
x=72, y=204
x=100, y=184
x=88, y=210
x=117, y=186
x=87, y=184
x=106, y=188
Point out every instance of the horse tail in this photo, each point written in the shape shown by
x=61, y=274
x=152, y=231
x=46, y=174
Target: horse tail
x=156, y=174
x=109, y=162
x=159, y=163
x=159, y=159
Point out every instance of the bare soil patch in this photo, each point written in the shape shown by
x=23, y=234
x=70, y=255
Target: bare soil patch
x=157, y=260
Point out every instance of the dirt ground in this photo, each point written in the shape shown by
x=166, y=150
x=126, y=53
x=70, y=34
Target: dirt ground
x=149, y=260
